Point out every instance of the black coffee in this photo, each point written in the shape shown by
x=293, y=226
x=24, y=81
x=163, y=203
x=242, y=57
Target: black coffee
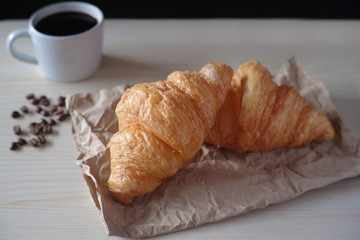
x=66, y=23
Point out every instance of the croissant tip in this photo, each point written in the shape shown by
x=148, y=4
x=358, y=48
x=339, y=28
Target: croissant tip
x=123, y=198
x=327, y=135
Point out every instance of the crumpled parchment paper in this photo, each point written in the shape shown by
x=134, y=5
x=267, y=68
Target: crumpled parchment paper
x=217, y=183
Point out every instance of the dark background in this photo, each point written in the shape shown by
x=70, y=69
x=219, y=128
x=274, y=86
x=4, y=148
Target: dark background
x=305, y=9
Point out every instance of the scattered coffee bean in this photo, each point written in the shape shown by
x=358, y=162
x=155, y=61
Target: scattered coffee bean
x=17, y=129
x=34, y=129
x=41, y=139
x=45, y=113
x=52, y=122
x=40, y=129
x=53, y=108
x=21, y=141
x=34, y=142
x=38, y=109
x=62, y=117
x=44, y=102
x=13, y=146
x=61, y=101
x=34, y=101
x=30, y=96
x=24, y=109
x=47, y=129
x=15, y=114
x=59, y=112
x=40, y=126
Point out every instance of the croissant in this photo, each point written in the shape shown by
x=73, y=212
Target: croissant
x=162, y=125
x=258, y=115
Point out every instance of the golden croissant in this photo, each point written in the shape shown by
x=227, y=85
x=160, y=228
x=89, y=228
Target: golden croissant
x=258, y=115
x=162, y=125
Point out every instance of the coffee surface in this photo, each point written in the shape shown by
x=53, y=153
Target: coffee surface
x=65, y=23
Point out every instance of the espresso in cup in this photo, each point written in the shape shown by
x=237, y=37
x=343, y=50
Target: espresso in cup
x=66, y=23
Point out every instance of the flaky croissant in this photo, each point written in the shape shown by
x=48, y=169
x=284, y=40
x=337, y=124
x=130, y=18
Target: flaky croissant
x=258, y=115
x=162, y=125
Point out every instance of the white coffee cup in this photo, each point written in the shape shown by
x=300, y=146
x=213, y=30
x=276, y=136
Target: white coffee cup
x=63, y=58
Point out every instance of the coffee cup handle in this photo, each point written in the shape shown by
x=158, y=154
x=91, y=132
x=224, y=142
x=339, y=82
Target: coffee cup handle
x=15, y=53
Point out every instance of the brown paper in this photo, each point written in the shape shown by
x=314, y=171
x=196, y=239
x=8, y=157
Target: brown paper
x=217, y=183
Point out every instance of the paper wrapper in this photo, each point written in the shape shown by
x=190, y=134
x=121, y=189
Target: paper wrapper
x=216, y=184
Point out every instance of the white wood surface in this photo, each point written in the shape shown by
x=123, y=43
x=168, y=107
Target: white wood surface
x=42, y=192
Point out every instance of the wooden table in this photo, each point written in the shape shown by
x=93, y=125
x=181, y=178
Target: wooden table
x=42, y=192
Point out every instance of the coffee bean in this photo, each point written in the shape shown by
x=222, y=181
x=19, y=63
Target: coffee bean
x=53, y=108
x=35, y=101
x=59, y=112
x=45, y=113
x=52, y=122
x=61, y=101
x=44, y=102
x=41, y=139
x=15, y=114
x=17, y=129
x=42, y=97
x=30, y=96
x=40, y=126
x=43, y=120
x=24, y=109
x=62, y=117
x=32, y=124
x=13, y=146
x=34, y=142
x=34, y=130
x=21, y=141
x=38, y=109
x=47, y=129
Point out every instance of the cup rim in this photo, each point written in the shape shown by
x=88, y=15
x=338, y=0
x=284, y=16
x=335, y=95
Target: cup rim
x=59, y=7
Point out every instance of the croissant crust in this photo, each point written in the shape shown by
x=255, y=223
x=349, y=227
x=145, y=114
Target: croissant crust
x=258, y=115
x=161, y=127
